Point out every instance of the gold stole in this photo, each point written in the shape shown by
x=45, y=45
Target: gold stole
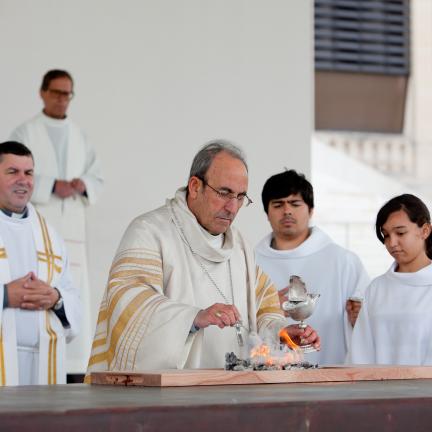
x=2, y=355
x=47, y=267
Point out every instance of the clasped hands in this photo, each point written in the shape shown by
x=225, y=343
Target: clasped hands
x=66, y=189
x=29, y=292
x=224, y=315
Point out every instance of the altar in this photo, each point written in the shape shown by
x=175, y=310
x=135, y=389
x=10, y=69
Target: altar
x=394, y=405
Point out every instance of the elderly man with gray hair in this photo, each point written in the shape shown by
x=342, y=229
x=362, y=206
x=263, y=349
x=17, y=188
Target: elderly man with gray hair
x=184, y=288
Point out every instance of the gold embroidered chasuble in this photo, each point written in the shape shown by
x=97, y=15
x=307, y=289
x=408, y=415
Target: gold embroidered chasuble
x=157, y=286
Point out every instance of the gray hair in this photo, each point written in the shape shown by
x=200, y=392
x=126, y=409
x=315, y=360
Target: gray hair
x=208, y=152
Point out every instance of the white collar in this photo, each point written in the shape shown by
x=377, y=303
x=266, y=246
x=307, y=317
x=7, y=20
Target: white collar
x=316, y=241
x=423, y=277
x=54, y=122
x=201, y=241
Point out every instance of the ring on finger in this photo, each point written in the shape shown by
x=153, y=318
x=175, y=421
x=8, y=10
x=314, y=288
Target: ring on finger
x=218, y=314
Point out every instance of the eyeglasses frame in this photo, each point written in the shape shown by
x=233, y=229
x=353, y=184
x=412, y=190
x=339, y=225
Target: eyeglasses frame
x=61, y=94
x=229, y=195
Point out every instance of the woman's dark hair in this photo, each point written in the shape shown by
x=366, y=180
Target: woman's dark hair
x=416, y=211
x=285, y=184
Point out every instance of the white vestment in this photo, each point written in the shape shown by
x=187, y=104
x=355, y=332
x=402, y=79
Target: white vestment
x=327, y=269
x=32, y=343
x=157, y=285
x=395, y=323
x=61, y=151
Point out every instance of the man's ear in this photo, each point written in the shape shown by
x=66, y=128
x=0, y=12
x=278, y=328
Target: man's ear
x=311, y=212
x=42, y=94
x=194, y=185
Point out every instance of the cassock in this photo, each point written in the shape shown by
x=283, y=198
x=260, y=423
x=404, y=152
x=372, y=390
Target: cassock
x=395, y=323
x=159, y=281
x=32, y=343
x=327, y=269
x=61, y=151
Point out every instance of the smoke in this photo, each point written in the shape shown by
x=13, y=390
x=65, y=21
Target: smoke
x=266, y=349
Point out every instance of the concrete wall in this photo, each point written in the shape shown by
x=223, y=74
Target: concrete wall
x=418, y=126
x=155, y=79
x=348, y=195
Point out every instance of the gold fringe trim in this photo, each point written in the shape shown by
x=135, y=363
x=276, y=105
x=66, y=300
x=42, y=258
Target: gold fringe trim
x=52, y=351
x=2, y=362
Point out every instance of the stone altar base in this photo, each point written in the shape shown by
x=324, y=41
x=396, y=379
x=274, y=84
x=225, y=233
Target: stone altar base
x=362, y=406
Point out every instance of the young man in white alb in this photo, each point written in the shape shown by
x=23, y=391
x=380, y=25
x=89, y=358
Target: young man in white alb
x=295, y=248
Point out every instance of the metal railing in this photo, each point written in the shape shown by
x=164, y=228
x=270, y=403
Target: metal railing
x=390, y=154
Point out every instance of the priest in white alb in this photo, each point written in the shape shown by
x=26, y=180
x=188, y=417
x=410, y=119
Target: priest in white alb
x=184, y=288
x=41, y=308
x=295, y=248
x=68, y=179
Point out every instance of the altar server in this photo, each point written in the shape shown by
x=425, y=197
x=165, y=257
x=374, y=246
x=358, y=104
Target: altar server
x=295, y=248
x=395, y=323
x=40, y=305
x=68, y=179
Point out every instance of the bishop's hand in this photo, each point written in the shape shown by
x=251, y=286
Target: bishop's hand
x=304, y=336
x=219, y=314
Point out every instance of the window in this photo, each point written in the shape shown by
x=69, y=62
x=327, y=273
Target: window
x=361, y=64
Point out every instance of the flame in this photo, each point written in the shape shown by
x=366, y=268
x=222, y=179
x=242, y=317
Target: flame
x=260, y=350
x=283, y=334
x=263, y=354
